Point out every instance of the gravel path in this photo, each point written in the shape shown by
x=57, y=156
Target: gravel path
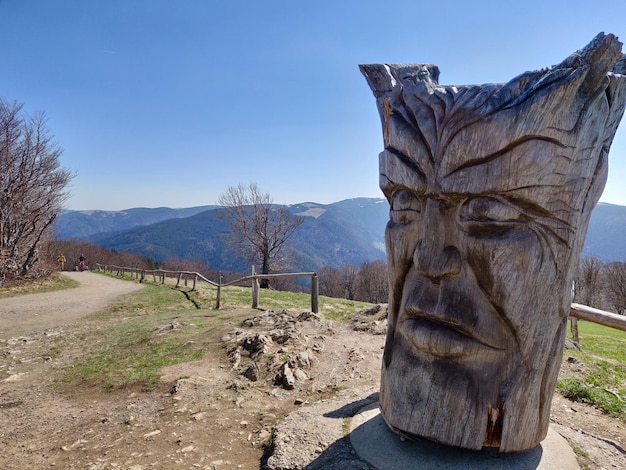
x=24, y=314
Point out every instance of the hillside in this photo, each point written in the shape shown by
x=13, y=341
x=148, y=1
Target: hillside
x=83, y=224
x=349, y=231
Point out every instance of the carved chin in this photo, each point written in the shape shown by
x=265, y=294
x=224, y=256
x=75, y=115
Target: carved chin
x=442, y=385
x=430, y=365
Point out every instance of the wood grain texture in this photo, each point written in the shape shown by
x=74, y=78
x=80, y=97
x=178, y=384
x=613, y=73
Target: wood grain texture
x=490, y=190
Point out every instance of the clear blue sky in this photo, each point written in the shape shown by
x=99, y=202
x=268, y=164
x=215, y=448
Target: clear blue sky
x=163, y=103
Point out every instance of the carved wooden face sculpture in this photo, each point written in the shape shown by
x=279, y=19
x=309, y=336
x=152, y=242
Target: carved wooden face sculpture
x=490, y=190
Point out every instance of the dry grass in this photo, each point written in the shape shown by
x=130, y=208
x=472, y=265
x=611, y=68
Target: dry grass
x=32, y=286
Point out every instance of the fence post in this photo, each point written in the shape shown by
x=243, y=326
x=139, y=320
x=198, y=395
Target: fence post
x=178, y=280
x=143, y=275
x=218, y=301
x=314, y=294
x=255, y=290
x=195, y=281
x=574, y=328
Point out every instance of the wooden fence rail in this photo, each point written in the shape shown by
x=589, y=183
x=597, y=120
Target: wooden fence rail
x=595, y=315
x=184, y=276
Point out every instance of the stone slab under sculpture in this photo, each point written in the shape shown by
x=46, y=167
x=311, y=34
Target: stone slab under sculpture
x=490, y=189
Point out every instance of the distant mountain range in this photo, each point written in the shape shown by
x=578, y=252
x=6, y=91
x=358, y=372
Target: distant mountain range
x=606, y=236
x=349, y=231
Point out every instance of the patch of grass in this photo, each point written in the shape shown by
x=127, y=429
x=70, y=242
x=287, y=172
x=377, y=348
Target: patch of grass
x=137, y=336
x=54, y=282
x=602, y=380
x=241, y=297
x=345, y=427
x=152, y=299
x=602, y=340
x=133, y=353
x=581, y=391
x=341, y=309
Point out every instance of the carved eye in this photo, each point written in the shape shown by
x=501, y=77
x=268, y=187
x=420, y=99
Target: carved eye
x=405, y=207
x=485, y=215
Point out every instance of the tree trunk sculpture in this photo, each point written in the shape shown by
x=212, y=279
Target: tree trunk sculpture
x=490, y=190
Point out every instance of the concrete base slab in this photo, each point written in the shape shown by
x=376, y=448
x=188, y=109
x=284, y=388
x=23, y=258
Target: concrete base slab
x=375, y=443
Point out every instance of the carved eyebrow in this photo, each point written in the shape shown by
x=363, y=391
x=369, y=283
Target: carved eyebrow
x=503, y=151
x=400, y=171
x=406, y=161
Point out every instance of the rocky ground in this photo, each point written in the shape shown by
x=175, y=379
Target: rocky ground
x=222, y=412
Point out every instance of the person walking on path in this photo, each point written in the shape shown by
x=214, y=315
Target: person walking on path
x=61, y=260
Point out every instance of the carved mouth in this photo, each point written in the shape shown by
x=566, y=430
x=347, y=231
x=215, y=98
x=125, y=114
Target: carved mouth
x=438, y=336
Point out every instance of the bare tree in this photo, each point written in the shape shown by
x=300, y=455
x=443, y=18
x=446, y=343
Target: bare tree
x=589, y=282
x=259, y=229
x=372, y=282
x=347, y=278
x=32, y=187
x=330, y=282
x=616, y=285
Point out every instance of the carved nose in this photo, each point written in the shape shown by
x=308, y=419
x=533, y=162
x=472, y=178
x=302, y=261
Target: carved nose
x=436, y=254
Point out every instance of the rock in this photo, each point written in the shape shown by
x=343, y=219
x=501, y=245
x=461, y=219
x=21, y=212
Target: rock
x=169, y=327
x=252, y=372
x=285, y=377
x=308, y=316
x=264, y=435
x=199, y=416
x=303, y=359
x=355, y=356
x=371, y=311
x=234, y=356
x=569, y=344
x=300, y=375
x=256, y=344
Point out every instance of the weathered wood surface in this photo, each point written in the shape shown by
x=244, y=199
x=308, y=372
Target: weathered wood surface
x=490, y=190
x=595, y=315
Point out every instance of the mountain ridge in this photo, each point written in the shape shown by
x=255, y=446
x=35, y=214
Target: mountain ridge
x=348, y=231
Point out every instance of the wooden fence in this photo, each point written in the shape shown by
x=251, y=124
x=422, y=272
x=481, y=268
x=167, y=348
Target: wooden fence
x=577, y=311
x=186, y=276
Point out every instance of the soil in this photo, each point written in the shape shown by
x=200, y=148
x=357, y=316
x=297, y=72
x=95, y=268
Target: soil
x=217, y=413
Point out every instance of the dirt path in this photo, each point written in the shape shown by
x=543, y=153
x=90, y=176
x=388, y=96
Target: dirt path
x=25, y=314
